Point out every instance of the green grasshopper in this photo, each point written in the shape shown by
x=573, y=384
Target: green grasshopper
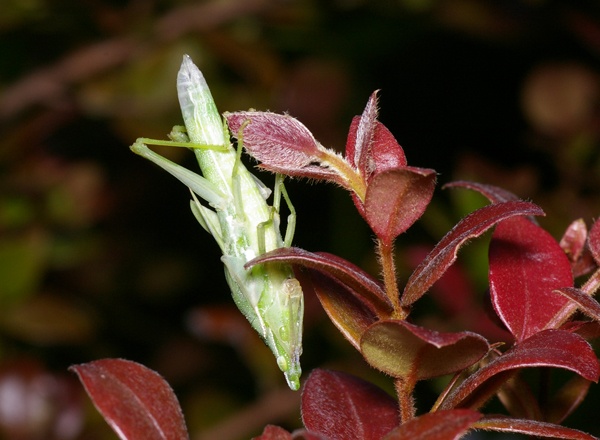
x=241, y=221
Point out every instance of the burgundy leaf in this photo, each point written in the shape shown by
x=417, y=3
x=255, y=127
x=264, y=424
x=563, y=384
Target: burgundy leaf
x=303, y=434
x=594, y=241
x=397, y=198
x=444, y=253
x=519, y=400
x=340, y=406
x=441, y=425
x=135, y=401
x=573, y=240
x=335, y=267
x=548, y=348
x=371, y=147
x=343, y=306
x=530, y=427
x=573, y=243
x=566, y=400
x=526, y=266
x=283, y=145
x=588, y=305
x=272, y=432
x=413, y=353
x=493, y=193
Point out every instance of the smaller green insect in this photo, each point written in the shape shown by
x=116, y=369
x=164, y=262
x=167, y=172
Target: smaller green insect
x=239, y=218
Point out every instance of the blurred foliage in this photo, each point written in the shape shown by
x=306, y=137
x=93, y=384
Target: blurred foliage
x=99, y=256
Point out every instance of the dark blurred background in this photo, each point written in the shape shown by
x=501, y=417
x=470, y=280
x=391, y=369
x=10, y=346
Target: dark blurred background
x=99, y=254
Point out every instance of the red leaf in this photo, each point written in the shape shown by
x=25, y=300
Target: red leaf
x=345, y=310
x=526, y=266
x=135, y=401
x=444, y=253
x=594, y=241
x=567, y=399
x=573, y=243
x=272, y=432
x=588, y=305
x=493, y=193
x=283, y=145
x=371, y=147
x=441, y=425
x=573, y=240
x=335, y=267
x=549, y=348
x=414, y=353
x=531, y=427
x=340, y=406
x=397, y=198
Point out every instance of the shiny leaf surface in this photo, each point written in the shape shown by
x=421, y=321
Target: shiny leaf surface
x=334, y=267
x=531, y=427
x=135, y=401
x=343, y=407
x=549, y=348
x=526, y=266
x=397, y=198
x=414, y=353
x=441, y=425
x=444, y=254
x=351, y=316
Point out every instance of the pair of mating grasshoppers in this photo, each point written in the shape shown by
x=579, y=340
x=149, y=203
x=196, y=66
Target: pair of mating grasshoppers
x=241, y=221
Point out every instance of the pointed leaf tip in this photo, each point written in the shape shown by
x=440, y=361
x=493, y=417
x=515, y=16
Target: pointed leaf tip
x=135, y=401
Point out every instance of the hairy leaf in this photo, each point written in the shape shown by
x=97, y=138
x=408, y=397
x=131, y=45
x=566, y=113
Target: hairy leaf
x=414, y=353
x=340, y=406
x=549, y=348
x=526, y=266
x=135, y=401
x=284, y=145
x=370, y=146
x=445, y=252
x=346, y=311
x=585, y=303
x=493, y=193
x=397, y=198
x=337, y=268
x=441, y=425
x=594, y=241
x=531, y=427
x=272, y=432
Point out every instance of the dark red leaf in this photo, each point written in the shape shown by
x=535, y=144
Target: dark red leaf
x=531, y=427
x=359, y=281
x=283, y=145
x=566, y=400
x=441, y=425
x=519, y=400
x=573, y=240
x=594, y=241
x=343, y=306
x=135, y=401
x=371, y=147
x=397, y=198
x=272, y=432
x=445, y=252
x=549, y=348
x=493, y=193
x=526, y=266
x=573, y=243
x=414, y=353
x=303, y=434
x=584, y=302
x=340, y=406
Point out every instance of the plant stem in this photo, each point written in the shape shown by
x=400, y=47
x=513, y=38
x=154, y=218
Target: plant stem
x=388, y=267
x=406, y=402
